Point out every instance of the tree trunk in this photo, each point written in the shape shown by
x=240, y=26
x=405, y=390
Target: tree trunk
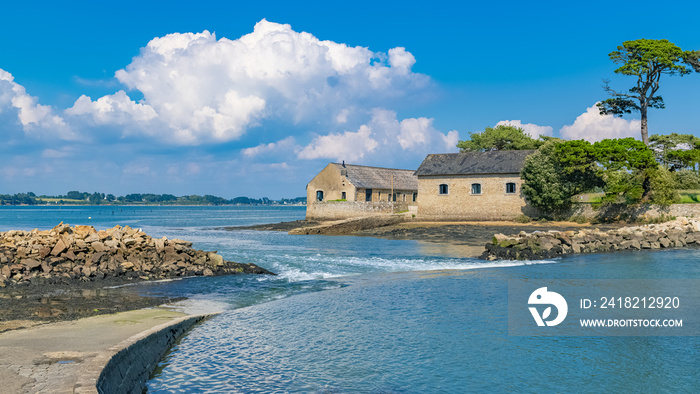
x=645, y=131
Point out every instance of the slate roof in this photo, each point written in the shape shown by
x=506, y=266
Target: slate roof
x=379, y=178
x=474, y=163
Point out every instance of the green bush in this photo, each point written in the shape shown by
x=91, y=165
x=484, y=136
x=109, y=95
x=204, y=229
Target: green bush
x=523, y=219
x=578, y=219
x=655, y=220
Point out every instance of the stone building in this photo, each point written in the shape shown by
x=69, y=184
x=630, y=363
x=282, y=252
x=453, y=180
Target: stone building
x=472, y=186
x=344, y=190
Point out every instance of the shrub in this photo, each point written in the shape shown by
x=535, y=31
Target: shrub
x=655, y=220
x=578, y=219
x=523, y=219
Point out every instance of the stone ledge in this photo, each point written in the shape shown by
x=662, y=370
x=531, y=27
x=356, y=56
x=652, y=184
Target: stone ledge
x=125, y=367
x=349, y=226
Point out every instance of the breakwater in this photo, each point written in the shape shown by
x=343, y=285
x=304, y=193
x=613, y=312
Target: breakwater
x=549, y=244
x=66, y=254
x=131, y=362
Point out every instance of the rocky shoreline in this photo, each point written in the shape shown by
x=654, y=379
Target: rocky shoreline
x=68, y=254
x=550, y=244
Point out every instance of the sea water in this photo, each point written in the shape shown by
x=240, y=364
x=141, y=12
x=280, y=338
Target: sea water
x=356, y=314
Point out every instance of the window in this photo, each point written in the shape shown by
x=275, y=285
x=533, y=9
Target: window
x=444, y=189
x=368, y=195
x=319, y=195
x=476, y=188
x=510, y=187
x=394, y=197
x=343, y=196
x=415, y=196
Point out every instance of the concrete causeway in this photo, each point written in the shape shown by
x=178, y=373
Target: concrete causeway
x=68, y=357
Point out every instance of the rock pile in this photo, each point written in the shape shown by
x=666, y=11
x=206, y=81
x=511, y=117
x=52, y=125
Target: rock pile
x=550, y=244
x=67, y=253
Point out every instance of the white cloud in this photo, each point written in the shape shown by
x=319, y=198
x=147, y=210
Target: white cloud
x=384, y=137
x=288, y=143
x=342, y=116
x=534, y=130
x=37, y=120
x=592, y=126
x=451, y=139
x=197, y=89
x=57, y=153
x=112, y=109
x=415, y=132
x=351, y=146
x=138, y=168
x=401, y=59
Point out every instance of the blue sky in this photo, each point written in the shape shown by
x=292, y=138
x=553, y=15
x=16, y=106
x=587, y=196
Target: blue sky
x=250, y=99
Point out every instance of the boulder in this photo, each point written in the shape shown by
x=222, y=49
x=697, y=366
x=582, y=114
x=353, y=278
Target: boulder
x=31, y=263
x=98, y=246
x=82, y=232
x=59, y=248
x=216, y=260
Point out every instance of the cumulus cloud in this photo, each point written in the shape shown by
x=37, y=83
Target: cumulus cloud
x=112, y=109
x=383, y=136
x=592, y=126
x=36, y=120
x=286, y=144
x=451, y=139
x=535, y=131
x=200, y=89
x=350, y=145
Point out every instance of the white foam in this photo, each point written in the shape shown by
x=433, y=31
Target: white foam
x=325, y=267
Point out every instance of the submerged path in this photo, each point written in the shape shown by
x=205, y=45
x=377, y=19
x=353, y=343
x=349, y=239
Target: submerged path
x=67, y=357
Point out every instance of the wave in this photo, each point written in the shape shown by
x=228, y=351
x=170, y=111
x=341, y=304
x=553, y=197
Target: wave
x=327, y=267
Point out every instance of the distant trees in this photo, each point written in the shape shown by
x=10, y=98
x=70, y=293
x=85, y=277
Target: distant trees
x=245, y=201
x=96, y=198
x=502, y=137
x=647, y=60
x=76, y=195
x=18, y=199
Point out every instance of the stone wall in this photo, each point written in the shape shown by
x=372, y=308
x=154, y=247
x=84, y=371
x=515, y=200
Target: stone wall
x=336, y=210
x=460, y=204
x=631, y=213
x=544, y=245
x=132, y=361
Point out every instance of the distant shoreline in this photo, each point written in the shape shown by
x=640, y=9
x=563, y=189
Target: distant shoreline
x=151, y=205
